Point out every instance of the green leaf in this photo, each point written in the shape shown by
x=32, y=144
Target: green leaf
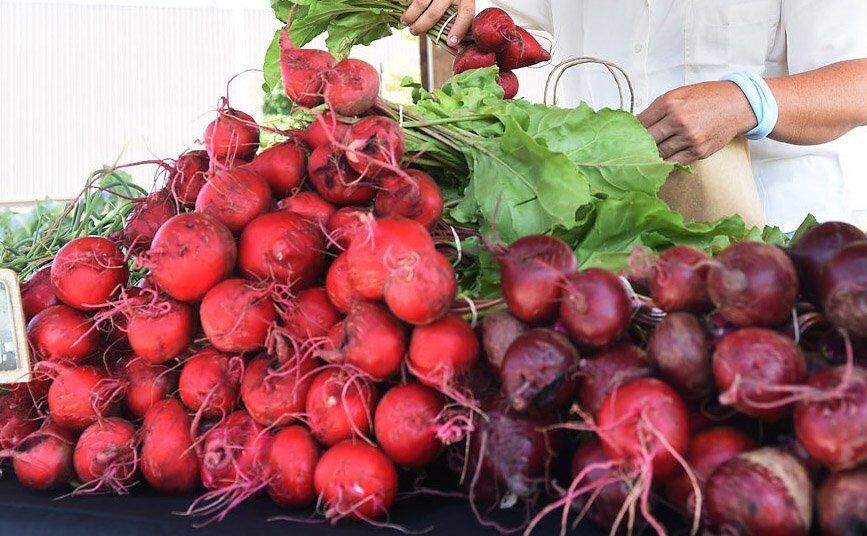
x=809, y=222
x=360, y=28
x=271, y=65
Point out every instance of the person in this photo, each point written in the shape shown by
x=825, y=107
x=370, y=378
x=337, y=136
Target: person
x=790, y=75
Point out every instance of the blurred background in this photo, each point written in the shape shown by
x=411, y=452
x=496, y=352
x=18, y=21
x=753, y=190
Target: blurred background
x=84, y=83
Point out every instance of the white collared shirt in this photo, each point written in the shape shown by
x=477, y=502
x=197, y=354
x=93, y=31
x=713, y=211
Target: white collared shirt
x=665, y=44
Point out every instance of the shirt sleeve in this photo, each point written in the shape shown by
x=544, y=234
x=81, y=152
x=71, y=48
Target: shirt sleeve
x=822, y=32
x=531, y=14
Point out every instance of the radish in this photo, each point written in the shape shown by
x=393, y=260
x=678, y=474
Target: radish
x=473, y=57
x=600, y=374
x=679, y=280
x=282, y=247
x=310, y=206
x=168, y=462
x=344, y=225
x=310, y=315
x=753, y=367
x=282, y=166
x=416, y=197
x=210, y=383
x=351, y=87
x=378, y=248
x=106, y=456
x=303, y=72
x=274, y=393
x=237, y=316
x=355, y=481
x=146, y=384
x=753, y=284
x=843, y=288
x=406, y=424
x=492, y=29
x=595, y=309
x=149, y=214
x=37, y=293
x=443, y=353
x=538, y=371
x=18, y=419
x=508, y=80
x=842, y=503
x=323, y=129
x=232, y=138
x=421, y=288
x=87, y=272
x=191, y=172
x=43, y=460
x=340, y=290
x=499, y=331
x=339, y=405
x=832, y=424
x=532, y=272
x=375, y=147
x=190, y=254
x=292, y=458
x=60, y=333
x=815, y=248
x=680, y=348
x=159, y=329
x=335, y=181
x=235, y=197
x=80, y=396
x=778, y=498
x=369, y=339
x=522, y=50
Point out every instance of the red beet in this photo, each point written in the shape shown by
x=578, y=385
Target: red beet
x=340, y=290
x=499, y=331
x=421, y=288
x=105, y=456
x=210, y=383
x=310, y=315
x=416, y=197
x=595, y=308
x=87, y=272
x=590, y=458
x=344, y=225
x=236, y=316
x=303, y=72
x=282, y=166
x=355, y=480
x=523, y=50
x=679, y=280
x=274, y=392
x=843, y=288
x=80, y=396
x=292, y=459
x=232, y=138
x=815, y=248
x=37, y=293
x=508, y=80
x=351, y=87
x=146, y=218
x=375, y=146
x=842, y=504
x=168, y=461
x=339, y=406
x=444, y=352
x=310, y=206
x=160, y=330
x=334, y=180
x=43, y=460
x=538, y=371
x=60, y=333
x=492, y=29
x=146, y=385
x=680, y=348
x=235, y=197
x=369, y=339
x=405, y=424
x=191, y=172
x=473, y=57
x=602, y=373
x=323, y=129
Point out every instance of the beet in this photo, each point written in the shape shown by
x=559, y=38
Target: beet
x=595, y=309
x=843, y=288
x=538, y=371
x=37, y=293
x=600, y=374
x=680, y=348
x=499, y=331
x=492, y=29
x=815, y=248
x=842, y=504
x=679, y=280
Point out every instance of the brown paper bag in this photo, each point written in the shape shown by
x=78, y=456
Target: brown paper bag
x=721, y=185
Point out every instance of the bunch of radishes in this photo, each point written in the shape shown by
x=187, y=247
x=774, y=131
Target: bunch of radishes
x=497, y=40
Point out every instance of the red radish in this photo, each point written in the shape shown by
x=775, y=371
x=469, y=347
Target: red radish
x=681, y=349
x=753, y=367
x=508, y=80
x=60, y=333
x=190, y=254
x=237, y=316
x=210, y=383
x=473, y=57
x=378, y=248
x=37, y=293
x=499, y=331
x=679, y=280
x=843, y=288
x=369, y=339
x=532, y=271
x=310, y=206
x=282, y=247
x=232, y=138
x=523, y=50
x=753, y=284
x=344, y=225
x=355, y=481
x=43, y=460
x=416, y=197
x=492, y=29
x=339, y=406
x=405, y=424
x=842, y=503
x=335, y=180
x=105, y=456
x=765, y=491
x=815, y=248
x=292, y=459
x=442, y=353
x=191, y=171
x=607, y=370
x=149, y=214
x=375, y=146
x=146, y=385
x=168, y=462
x=538, y=371
x=310, y=315
x=87, y=272
x=80, y=396
x=595, y=309
x=18, y=418
x=282, y=166
x=160, y=330
x=351, y=87
x=645, y=422
x=340, y=290
x=274, y=392
x=832, y=425
x=235, y=197
x=303, y=72
x=323, y=129
x=421, y=288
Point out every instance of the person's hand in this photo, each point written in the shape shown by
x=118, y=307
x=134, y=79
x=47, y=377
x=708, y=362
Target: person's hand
x=694, y=122
x=422, y=15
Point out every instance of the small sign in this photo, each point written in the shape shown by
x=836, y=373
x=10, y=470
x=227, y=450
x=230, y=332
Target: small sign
x=14, y=351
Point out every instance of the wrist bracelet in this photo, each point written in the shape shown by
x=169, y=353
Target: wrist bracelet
x=761, y=100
